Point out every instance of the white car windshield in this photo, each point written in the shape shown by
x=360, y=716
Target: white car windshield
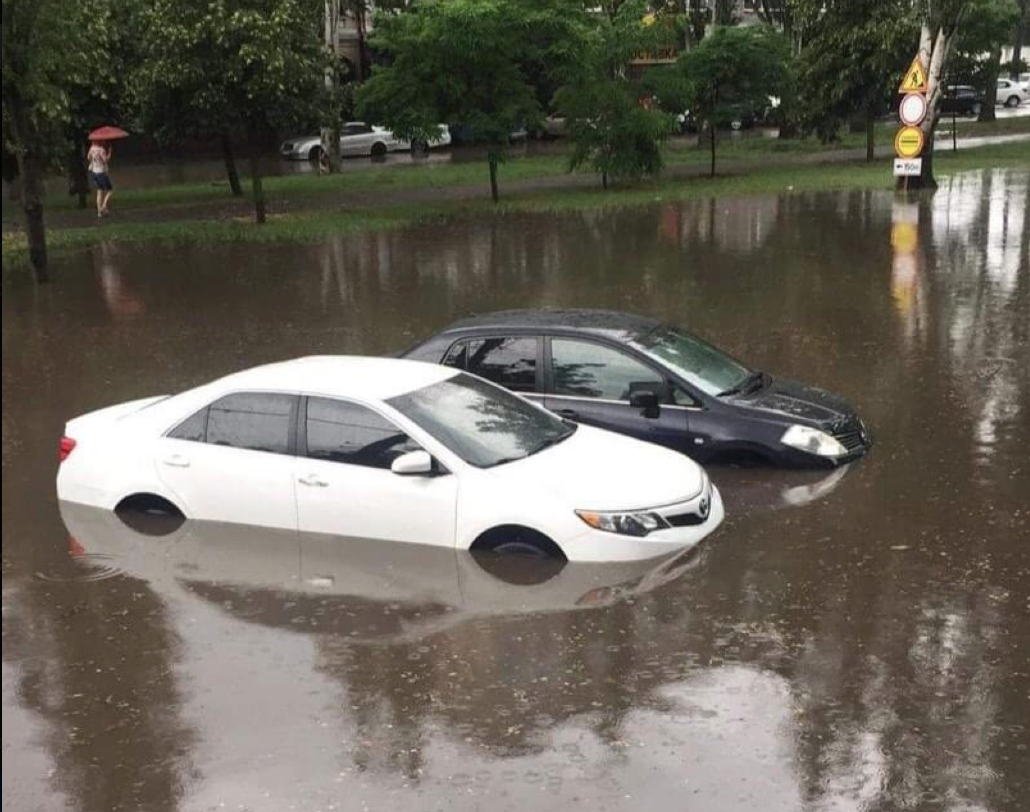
x=481, y=423
x=697, y=362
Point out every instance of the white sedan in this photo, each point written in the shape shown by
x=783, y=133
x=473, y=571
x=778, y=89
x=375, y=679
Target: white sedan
x=1011, y=93
x=389, y=449
x=356, y=139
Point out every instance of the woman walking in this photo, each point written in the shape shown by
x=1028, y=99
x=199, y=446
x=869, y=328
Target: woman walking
x=97, y=159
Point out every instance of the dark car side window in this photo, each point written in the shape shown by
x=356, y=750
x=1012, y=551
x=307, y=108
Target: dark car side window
x=509, y=362
x=338, y=431
x=585, y=369
x=259, y=421
x=457, y=356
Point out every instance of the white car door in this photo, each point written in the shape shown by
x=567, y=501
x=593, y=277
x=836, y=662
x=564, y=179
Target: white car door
x=356, y=139
x=232, y=461
x=344, y=484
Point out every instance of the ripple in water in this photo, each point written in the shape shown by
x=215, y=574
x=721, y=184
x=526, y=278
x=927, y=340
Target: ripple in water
x=82, y=568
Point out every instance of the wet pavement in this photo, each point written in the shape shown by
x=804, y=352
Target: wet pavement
x=849, y=640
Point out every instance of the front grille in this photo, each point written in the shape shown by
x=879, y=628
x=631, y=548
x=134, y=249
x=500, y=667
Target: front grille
x=685, y=519
x=851, y=440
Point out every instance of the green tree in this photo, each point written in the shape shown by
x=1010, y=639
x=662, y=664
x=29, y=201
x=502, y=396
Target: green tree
x=986, y=28
x=465, y=63
x=218, y=66
x=613, y=132
x=51, y=48
x=733, y=69
x=855, y=52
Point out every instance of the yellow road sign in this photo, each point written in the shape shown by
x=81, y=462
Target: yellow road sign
x=908, y=143
x=915, y=78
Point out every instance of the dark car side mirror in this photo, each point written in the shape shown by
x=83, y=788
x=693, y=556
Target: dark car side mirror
x=647, y=401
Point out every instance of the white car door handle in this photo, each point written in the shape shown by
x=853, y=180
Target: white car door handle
x=312, y=481
x=176, y=461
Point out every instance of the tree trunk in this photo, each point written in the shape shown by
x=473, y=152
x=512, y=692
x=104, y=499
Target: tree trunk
x=991, y=72
x=32, y=205
x=330, y=134
x=30, y=168
x=78, y=181
x=230, y=165
x=711, y=146
x=494, y=194
x=604, y=180
x=933, y=51
x=870, y=136
x=1018, y=39
x=256, y=188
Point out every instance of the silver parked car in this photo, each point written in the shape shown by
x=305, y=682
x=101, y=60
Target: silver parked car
x=356, y=139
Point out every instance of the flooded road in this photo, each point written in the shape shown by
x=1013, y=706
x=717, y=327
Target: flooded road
x=851, y=640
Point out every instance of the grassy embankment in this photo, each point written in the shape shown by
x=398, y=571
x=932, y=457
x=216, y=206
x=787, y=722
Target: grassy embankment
x=750, y=169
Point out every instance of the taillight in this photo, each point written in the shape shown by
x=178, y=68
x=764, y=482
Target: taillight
x=65, y=448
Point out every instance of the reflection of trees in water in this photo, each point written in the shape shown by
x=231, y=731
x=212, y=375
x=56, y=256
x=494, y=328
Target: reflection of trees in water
x=97, y=667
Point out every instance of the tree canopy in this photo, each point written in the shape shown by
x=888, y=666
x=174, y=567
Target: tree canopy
x=730, y=70
x=613, y=128
x=466, y=63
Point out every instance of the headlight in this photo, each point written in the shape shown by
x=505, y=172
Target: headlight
x=813, y=441
x=635, y=523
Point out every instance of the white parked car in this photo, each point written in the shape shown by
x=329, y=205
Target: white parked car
x=356, y=139
x=389, y=449
x=1011, y=93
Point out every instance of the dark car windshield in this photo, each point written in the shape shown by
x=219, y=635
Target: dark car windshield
x=481, y=423
x=697, y=362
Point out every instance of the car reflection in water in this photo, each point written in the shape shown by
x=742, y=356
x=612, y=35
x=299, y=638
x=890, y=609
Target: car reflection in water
x=359, y=588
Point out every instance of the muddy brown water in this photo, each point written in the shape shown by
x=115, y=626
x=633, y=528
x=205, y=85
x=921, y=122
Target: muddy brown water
x=850, y=641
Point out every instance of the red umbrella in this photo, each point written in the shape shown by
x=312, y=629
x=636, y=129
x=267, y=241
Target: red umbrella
x=107, y=133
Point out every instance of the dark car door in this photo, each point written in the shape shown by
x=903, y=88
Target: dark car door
x=592, y=383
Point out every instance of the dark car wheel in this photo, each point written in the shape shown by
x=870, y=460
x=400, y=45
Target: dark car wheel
x=315, y=155
x=378, y=149
x=1012, y=101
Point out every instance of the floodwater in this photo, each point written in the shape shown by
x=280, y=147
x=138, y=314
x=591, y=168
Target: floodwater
x=851, y=640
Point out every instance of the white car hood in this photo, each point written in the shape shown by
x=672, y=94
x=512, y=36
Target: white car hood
x=600, y=470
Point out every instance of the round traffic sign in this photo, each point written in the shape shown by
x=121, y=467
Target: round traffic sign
x=912, y=109
x=908, y=143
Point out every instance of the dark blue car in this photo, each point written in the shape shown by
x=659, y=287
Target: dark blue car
x=636, y=376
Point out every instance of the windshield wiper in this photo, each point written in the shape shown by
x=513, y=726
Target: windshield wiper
x=547, y=442
x=749, y=383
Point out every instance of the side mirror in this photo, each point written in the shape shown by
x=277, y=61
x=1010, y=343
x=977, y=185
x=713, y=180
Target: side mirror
x=413, y=463
x=647, y=401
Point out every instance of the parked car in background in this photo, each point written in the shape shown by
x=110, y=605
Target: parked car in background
x=1011, y=93
x=381, y=448
x=961, y=100
x=637, y=376
x=357, y=139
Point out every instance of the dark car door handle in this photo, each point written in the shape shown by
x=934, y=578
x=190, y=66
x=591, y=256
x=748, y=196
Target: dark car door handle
x=568, y=414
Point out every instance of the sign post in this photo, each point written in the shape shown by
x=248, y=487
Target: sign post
x=909, y=140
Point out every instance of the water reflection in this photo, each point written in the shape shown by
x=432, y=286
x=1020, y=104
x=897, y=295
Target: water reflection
x=848, y=640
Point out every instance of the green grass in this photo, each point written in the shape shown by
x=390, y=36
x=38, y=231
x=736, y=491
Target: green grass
x=307, y=226
x=398, y=178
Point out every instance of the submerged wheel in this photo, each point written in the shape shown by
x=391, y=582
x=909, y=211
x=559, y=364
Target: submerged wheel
x=149, y=514
x=1012, y=101
x=378, y=149
x=513, y=539
x=518, y=555
x=315, y=155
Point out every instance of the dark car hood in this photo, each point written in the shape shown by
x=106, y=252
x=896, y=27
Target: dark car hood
x=799, y=401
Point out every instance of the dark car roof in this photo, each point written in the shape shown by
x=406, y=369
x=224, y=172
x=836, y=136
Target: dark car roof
x=607, y=323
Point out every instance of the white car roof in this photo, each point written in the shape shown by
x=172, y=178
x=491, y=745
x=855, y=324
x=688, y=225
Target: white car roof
x=345, y=376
